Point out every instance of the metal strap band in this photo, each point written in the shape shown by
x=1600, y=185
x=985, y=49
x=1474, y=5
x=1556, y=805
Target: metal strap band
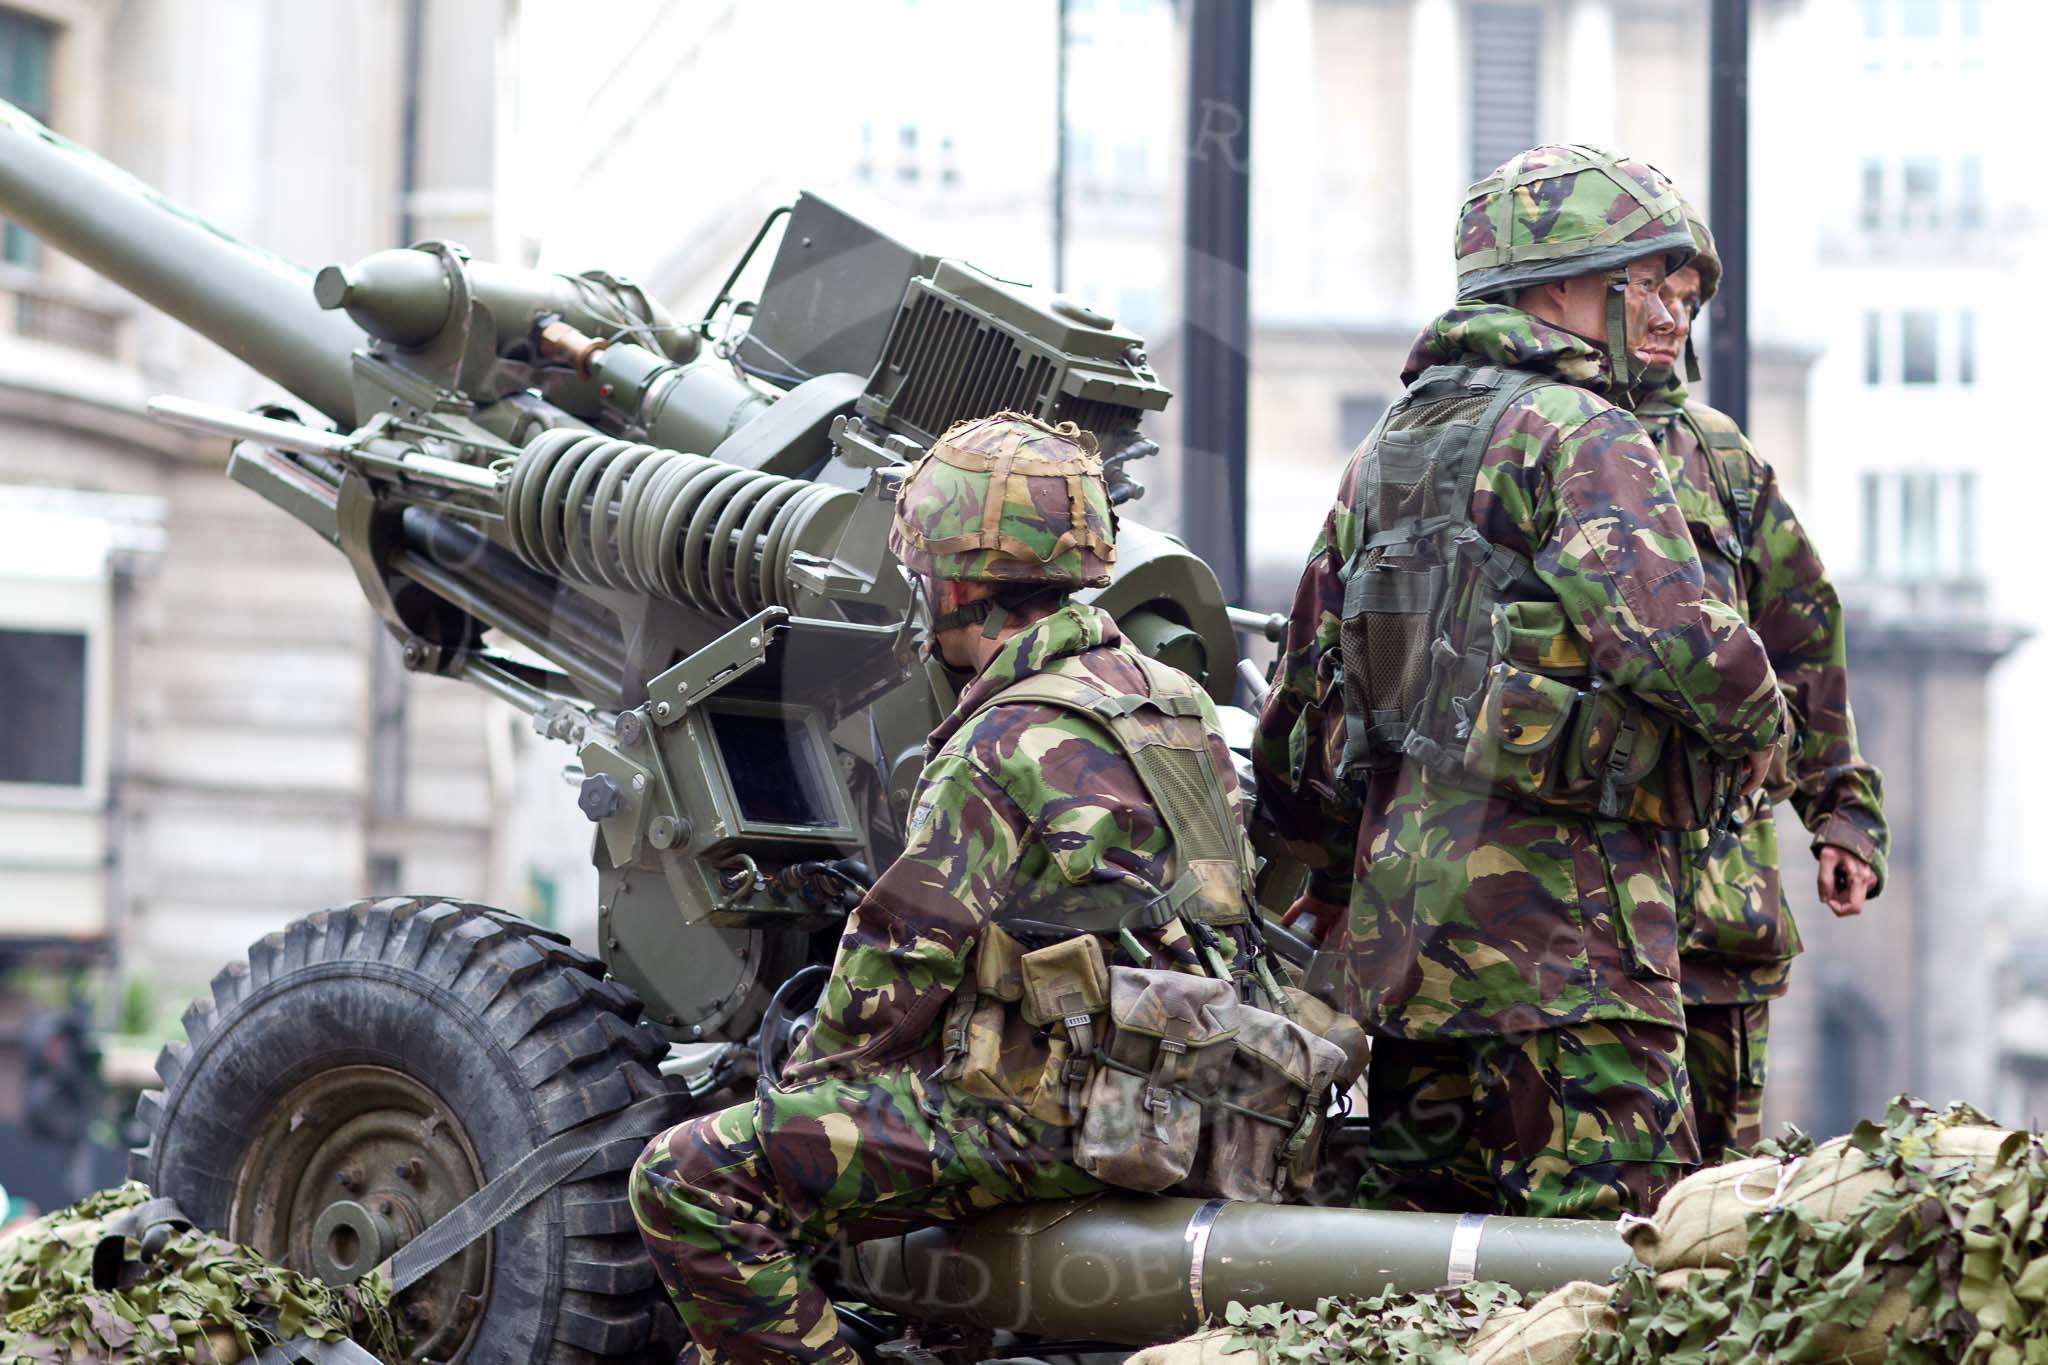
x=1464, y=1262
x=1197, y=1238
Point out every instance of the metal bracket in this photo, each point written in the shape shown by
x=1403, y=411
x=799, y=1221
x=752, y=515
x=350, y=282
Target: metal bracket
x=739, y=651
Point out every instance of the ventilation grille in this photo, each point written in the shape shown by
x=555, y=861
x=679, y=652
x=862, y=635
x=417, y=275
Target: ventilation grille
x=953, y=366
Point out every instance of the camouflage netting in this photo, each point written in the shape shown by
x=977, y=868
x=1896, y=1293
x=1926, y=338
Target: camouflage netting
x=199, y=1298
x=1918, y=1240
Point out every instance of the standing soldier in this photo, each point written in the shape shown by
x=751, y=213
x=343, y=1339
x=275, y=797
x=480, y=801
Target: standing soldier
x=1502, y=673
x=919, y=1095
x=1737, y=939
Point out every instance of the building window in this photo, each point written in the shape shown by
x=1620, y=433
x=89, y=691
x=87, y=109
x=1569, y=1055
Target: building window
x=907, y=170
x=1918, y=347
x=1507, y=53
x=1970, y=192
x=1873, y=19
x=1873, y=348
x=1918, y=206
x=1356, y=417
x=1970, y=18
x=1920, y=525
x=24, y=83
x=42, y=693
x=1872, y=215
x=1922, y=18
x=1966, y=347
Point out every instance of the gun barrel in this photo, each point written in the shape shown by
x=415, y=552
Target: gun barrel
x=255, y=306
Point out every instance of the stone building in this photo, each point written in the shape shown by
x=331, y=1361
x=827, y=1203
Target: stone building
x=203, y=738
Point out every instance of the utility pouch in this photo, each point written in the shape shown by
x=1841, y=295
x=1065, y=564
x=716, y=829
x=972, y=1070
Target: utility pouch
x=1332, y=1026
x=998, y=966
x=1168, y=1049
x=1515, y=737
x=1266, y=1119
x=1064, y=988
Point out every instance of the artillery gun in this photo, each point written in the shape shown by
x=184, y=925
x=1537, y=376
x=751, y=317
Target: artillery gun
x=666, y=543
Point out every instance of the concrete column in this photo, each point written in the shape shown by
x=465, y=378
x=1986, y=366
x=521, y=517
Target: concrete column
x=1439, y=97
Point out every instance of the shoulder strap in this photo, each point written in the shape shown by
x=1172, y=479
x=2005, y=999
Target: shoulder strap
x=1728, y=461
x=1172, y=760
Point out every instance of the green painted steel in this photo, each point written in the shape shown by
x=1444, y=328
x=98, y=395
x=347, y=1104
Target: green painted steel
x=1137, y=1270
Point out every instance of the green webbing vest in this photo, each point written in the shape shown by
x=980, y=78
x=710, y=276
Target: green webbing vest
x=1430, y=637
x=1165, y=736
x=1416, y=637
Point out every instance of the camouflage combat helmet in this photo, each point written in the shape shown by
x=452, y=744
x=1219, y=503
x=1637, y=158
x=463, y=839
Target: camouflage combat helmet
x=1007, y=499
x=1558, y=211
x=1705, y=258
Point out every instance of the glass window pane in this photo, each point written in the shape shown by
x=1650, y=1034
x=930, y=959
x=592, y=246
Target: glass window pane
x=1970, y=191
x=1918, y=207
x=1507, y=53
x=25, y=63
x=42, y=694
x=1918, y=362
x=1966, y=347
x=1873, y=192
x=1873, y=18
x=1873, y=348
x=1922, y=18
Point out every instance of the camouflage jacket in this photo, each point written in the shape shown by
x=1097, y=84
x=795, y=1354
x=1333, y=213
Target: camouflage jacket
x=1737, y=936
x=1471, y=915
x=1024, y=809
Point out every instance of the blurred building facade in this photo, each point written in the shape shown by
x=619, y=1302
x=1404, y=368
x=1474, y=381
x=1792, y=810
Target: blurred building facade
x=204, y=738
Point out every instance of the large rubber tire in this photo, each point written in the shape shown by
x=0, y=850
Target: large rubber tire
x=517, y=1035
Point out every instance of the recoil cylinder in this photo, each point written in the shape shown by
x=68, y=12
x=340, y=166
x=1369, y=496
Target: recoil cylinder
x=609, y=513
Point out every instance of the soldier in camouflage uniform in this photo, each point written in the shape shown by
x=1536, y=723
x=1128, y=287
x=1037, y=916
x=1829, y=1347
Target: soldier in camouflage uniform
x=1518, y=962
x=1737, y=939
x=1023, y=808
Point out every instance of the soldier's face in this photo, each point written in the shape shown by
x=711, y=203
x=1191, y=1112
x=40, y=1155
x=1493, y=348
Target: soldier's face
x=1680, y=296
x=1652, y=330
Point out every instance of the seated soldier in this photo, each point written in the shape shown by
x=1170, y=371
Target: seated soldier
x=908, y=1104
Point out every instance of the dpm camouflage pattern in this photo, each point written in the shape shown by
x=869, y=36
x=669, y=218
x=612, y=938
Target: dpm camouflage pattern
x=1737, y=936
x=1725, y=1067
x=1557, y=211
x=1586, y=1122
x=1023, y=809
x=1010, y=499
x=1471, y=916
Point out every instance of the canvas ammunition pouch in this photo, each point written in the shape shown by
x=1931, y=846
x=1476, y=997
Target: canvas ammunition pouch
x=1454, y=654
x=1168, y=1048
x=1146, y=1064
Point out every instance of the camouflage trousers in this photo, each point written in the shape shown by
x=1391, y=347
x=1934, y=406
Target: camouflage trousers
x=1582, y=1122
x=735, y=1206
x=1724, y=1063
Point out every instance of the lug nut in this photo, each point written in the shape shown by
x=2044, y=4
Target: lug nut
x=412, y=1170
x=350, y=1178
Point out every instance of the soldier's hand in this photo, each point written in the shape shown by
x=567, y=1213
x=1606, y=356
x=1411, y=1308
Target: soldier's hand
x=1845, y=880
x=1322, y=915
x=1758, y=766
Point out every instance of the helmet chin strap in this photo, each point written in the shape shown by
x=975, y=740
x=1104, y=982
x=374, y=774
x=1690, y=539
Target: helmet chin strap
x=1627, y=369
x=991, y=615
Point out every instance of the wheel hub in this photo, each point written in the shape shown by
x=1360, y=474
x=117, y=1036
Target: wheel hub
x=352, y=1165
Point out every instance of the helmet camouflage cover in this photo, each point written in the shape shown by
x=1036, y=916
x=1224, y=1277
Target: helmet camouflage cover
x=1558, y=211
x=1007, y=499
x=1706, y=260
